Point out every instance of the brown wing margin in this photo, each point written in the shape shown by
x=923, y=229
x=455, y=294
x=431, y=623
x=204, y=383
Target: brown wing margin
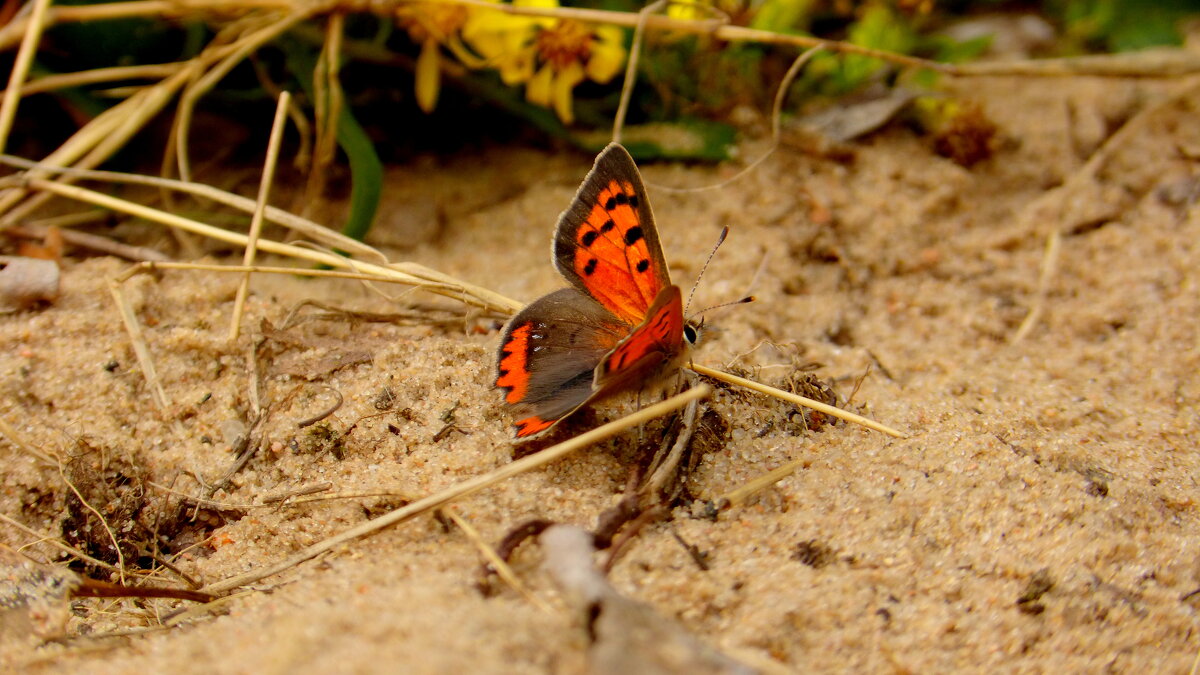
x=606, y=243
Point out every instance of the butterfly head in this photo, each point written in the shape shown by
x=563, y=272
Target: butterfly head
x=691, y=332
x=693, y=327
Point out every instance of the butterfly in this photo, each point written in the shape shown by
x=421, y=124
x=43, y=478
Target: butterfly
x=619, y=325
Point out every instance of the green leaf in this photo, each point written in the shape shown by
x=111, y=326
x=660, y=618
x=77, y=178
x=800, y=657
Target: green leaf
x=880, y=28
x=366, y=174
x=366, y=171
x=1122, y=25
x=782, y=16
x=1151, y=25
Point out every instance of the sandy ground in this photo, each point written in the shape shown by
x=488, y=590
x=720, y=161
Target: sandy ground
x=1042, y=515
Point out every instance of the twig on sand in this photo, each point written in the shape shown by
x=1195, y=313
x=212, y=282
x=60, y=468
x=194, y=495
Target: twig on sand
x=497, y=563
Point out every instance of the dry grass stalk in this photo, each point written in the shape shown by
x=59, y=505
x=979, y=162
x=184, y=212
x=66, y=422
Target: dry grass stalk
x=291, y=499
x=67, y=219
x=59, y=544
x=663, y=469
x=18, y=441
x=1049, y=268
x=117, y=124
x=140, y=349
x=468, y=487
x=103, y=521
x=241, y=49
x=635, y=53
x=83, y=78
x=280, y=498
x=11, y=34
x=150, y=266
x=327, y=108
x=738, y=496
x=196, y=611
x=92, y=242
x=29, y=45
x=404, y=273
x=796, y=400
x=776, y=126
x=302, y=226
x=256, y=222
x=112, y=129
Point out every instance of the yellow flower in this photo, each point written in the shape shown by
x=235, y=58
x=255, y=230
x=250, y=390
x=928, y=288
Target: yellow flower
x=550, y=55
x=690, y=10
x=504, y=40
x=433, y=25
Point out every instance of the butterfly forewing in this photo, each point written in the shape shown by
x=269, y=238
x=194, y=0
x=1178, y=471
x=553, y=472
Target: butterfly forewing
x=606, y=244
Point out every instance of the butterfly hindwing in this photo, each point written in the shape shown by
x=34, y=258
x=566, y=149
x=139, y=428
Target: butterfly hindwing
x=606, y=244
x=654, y=342
x=548, y=356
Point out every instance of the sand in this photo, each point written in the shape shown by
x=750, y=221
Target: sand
x=1041, y=515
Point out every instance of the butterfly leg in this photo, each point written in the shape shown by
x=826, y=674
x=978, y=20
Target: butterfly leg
x=641, y=427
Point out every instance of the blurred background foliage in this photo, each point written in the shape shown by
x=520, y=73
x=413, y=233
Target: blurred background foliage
x=437, y=76
x=461, y=66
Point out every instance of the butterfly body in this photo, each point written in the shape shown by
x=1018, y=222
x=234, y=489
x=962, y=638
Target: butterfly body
x=618, y=326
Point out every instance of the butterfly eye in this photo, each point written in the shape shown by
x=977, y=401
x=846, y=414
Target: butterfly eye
x=691, y=334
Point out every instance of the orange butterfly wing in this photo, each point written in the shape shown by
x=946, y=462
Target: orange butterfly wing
x=606, y=244
x=655, y=342
x=622, y=321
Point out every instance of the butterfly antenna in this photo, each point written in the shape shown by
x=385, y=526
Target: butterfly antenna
x=720, y=240
x=748, y=298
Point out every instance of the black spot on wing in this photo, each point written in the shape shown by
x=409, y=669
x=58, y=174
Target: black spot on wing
x=633, y=235
x=643, y=265
x=622, y=198
x=610, y=204
x=589, y=237
x=590, y=267
x=607, y=226
x=633, y=201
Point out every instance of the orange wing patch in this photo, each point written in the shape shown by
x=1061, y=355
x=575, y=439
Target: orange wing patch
x=532, y=425
x=514, y=364
x=611, y=253
x=662, y=334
